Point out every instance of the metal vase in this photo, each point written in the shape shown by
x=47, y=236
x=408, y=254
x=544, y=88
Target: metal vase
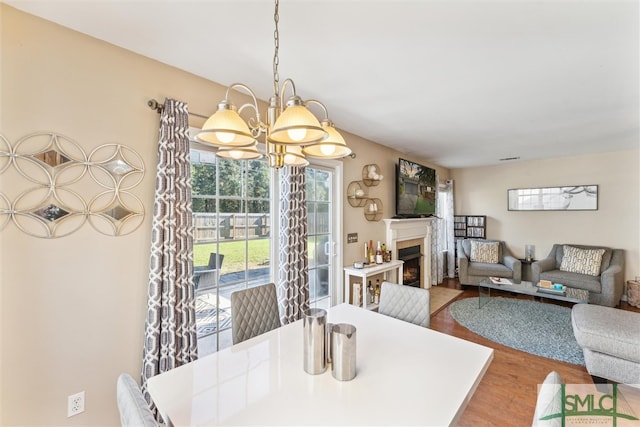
x=343, y=351
x=314, y=326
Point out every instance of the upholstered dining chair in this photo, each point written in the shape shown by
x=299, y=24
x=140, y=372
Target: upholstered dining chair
x=549, y=401
x=134, y=410
x=405, y=303
x=254, y=311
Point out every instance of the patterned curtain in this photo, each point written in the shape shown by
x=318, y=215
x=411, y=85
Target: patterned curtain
x=293, y=274
x=170, y=329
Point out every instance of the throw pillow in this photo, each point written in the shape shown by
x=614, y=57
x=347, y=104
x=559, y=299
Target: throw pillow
x=583, y=261
x=485, y=251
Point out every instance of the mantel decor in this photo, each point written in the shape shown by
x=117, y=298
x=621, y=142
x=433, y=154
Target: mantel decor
x=569, y=198
x=59, y=187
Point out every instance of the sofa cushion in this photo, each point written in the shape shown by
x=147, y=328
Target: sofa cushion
x=487, y=269
x=583, y=261
x=487, y=252
x=573, y=280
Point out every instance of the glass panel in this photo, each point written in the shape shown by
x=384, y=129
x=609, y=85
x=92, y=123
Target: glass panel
x=322, y=185
x=230, y=175
x=322, y=219
x=310, y=183
x=311, y=251
x=321, y=257
x=258, y=180
x=311, y=218
x=322, y=282
x=203, y=176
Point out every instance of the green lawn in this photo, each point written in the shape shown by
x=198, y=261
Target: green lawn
x=234, y=254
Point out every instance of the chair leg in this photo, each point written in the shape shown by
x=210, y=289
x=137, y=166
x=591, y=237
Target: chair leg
x=602, y=384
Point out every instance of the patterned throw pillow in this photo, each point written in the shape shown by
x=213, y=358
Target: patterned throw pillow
x=583, y=261
x=484, y=251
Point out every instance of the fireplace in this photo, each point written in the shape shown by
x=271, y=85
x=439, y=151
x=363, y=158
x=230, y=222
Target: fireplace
x=403, y=234
x=411, y=269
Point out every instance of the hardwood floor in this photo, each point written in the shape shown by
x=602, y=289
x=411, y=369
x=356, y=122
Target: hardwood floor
x=507, y=394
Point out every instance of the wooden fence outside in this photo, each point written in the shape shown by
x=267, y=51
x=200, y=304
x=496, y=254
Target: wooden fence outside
x=233, y=226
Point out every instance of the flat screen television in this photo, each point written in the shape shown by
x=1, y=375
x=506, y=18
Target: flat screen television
x=415, y=190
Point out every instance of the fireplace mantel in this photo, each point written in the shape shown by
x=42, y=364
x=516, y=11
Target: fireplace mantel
x=400, y=230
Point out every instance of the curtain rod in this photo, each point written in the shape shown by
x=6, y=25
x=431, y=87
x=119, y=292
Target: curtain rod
x=155, y=105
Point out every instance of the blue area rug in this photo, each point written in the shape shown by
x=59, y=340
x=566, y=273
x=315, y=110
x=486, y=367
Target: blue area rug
x=537, y=328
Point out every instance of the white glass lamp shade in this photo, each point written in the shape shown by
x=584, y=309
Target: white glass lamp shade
x=287, y=155
x=296, y=126
x=225, y=128
x=332, y=147
x=239, y=153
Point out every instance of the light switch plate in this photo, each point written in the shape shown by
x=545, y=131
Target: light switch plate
x=352, y=237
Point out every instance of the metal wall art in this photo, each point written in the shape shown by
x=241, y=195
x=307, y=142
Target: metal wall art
x=56, y=187
x=570, y=198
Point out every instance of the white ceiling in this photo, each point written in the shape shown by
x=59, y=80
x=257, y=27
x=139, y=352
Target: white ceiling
x=460, y=83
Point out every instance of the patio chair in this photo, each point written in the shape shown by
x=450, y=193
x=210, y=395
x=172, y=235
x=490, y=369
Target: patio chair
x=254, y=311
x=205, y=276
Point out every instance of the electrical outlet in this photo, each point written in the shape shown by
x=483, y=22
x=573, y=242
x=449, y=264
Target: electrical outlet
x=75, y=404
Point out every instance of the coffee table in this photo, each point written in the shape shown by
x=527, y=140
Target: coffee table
x=579, y=296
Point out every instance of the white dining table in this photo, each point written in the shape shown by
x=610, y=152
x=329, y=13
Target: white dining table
x=405, y=375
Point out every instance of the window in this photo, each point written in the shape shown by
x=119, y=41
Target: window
x=232, y=238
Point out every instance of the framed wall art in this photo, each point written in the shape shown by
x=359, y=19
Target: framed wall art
x=569, y=198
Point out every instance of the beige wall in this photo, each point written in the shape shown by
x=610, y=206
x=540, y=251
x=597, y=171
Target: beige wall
x=483, y=191
x=73, y=308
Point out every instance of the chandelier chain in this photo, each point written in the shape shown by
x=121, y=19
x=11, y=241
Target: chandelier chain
x=276, y=58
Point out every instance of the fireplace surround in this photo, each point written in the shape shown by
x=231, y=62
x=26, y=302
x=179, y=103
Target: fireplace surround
x=405, y=233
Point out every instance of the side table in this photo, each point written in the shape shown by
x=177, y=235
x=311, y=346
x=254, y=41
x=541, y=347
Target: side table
x=633, y=293
x=526, y=268
x=366, y=272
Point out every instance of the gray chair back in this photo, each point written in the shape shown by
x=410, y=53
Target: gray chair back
x=134, y=409
x=405, y=303
x=254, y=311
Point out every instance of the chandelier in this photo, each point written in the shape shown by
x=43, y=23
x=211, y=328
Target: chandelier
x=291, y=132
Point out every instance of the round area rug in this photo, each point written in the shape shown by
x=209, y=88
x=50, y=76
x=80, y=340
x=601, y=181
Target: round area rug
x=537, y=328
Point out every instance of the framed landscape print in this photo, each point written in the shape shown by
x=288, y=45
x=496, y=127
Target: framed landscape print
x=570, y=198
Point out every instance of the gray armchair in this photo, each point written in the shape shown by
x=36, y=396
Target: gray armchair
x=605, y=289
x=472, y=272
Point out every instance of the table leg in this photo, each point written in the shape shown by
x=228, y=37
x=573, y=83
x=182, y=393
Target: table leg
x=484, y=295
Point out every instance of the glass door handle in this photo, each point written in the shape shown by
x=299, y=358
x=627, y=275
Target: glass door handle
x=329, y=248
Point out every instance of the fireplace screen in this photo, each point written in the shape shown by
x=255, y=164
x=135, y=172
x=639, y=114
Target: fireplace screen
x=411, y=269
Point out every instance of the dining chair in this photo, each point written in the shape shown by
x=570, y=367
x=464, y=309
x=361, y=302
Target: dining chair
x=254, y=311
x=405, y=303
x=134, y=409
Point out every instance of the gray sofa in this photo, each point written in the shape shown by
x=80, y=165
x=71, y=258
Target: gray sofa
x=471, y=273
x=605, y=289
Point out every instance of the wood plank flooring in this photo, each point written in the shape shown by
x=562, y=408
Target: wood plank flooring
x=507, y=394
